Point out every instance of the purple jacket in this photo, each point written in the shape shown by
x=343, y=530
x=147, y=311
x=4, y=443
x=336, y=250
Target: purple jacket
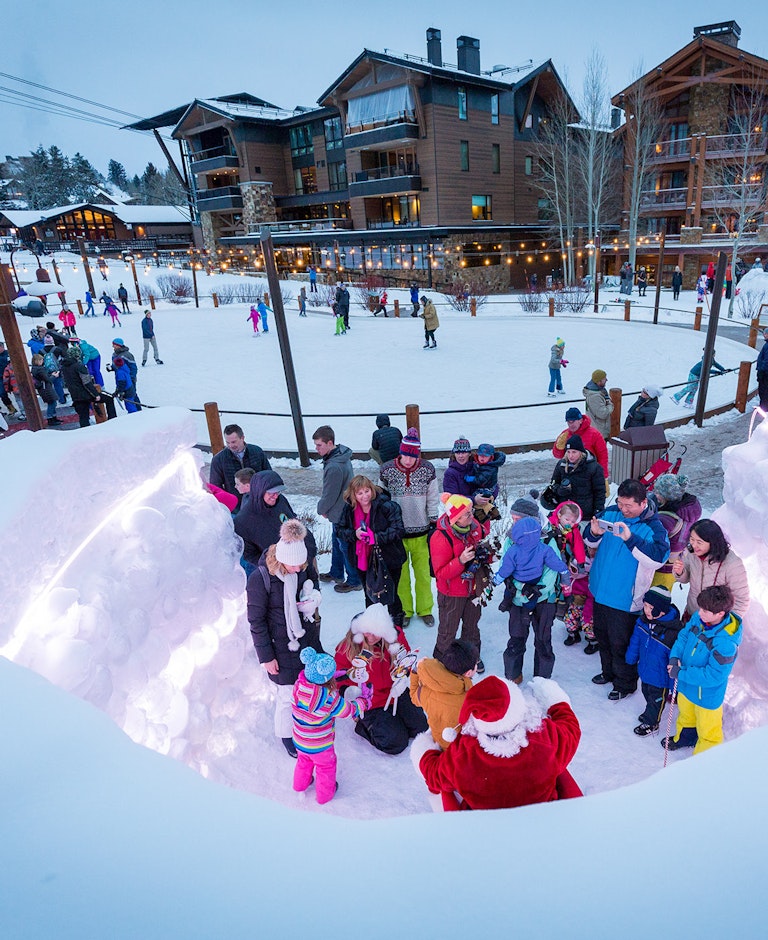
x=455, y=478
x=677, y=519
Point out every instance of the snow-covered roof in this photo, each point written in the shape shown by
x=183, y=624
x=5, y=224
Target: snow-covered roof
x=131, y=215
x=21, y=217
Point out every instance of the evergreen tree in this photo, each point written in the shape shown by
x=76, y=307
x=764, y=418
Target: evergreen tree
x=33, y=180
x=117, y=176
x=84, y=179
x=151, y=186
x=59, y=176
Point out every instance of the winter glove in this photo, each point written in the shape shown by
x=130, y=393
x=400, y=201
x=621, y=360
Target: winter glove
x=674, y=668
x=366, y=694
x=562, y=440
x=497, y=579
x=547, y=692
x=564, y=363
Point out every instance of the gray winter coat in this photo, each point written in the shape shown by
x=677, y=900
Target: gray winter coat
x=599, y=407
x=337, y=472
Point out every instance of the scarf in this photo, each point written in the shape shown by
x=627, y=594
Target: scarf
x=462, y=530
x=362, y=548
x=293, y=625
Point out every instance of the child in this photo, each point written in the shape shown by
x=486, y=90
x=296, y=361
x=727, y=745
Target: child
x=253, y=316
x=316, y=706
x=656, y=630
x=580, y=613
x=530, y=569
x=701, y=660
x=111, y=309
x=440, y=687
x=701, y=289
x=485, y=469
x=243, y=479
x=555, y=362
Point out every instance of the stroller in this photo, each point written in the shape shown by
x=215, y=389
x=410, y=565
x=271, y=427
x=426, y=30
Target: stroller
x=661, y=466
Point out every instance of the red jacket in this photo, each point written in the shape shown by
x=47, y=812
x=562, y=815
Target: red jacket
x=592, y=439
x=445, y=546
x=534, y=773
x=378, y=671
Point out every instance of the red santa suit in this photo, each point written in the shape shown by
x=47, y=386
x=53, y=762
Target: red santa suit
x=512, y=750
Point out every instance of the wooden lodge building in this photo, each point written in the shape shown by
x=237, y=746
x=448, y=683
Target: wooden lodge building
x=691, y=188
x=408, y=165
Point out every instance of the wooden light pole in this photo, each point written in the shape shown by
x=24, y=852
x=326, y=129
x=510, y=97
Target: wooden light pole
x=709, y=346
x=659, y=269
x=132, y=261
x=86, y=266
x=268, y=251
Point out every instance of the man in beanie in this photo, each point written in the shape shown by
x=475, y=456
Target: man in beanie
x=282, y=606
x=385, y=443
x=578, y=477
x=655, y=632
x=411, y=481
x=628, y=554
x=452, y=548
x=598, y=404
x=510, y=750
x=593, y=440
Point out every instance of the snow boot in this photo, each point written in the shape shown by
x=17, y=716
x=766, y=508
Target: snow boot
x=159, y=362
x=688, y=738
x=290, y=747
x=645, y=729
x=572, y=639
x=590, y=648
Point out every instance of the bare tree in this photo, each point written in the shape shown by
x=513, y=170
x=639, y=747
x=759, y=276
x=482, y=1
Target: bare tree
x=557, y=161
x=736, y=179
x=643, y=114
x=595, y=143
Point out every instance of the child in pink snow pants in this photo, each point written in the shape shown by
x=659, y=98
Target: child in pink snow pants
x=254, y=317
x=316, y=706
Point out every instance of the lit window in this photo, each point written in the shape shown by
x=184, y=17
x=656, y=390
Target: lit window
x=481, y=209
x=461, y=93
x=529, y=121
x=494, y=109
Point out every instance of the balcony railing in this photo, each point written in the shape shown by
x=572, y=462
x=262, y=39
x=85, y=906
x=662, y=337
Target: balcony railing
x=719, y=145
x=204, y=194
x=664, y=197
x=732, y=196
x=387, y=172
x=221, y=151
x=305, y=225
x=384, y=120
x=677, y=149
x=385, y=223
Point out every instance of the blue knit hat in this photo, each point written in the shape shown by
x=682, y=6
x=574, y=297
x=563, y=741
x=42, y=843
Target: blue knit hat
x=318, y=667
x=486, y=450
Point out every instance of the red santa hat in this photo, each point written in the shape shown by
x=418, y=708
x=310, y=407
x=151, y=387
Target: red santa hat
x=494, y=705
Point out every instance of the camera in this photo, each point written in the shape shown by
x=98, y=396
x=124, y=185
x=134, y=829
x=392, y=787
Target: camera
x=109, y=367
x=484, y=552
x=605, y=525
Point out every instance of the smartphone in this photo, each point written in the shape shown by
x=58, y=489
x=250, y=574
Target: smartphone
x=689, y=548
x=364, y=527
x=605, y=525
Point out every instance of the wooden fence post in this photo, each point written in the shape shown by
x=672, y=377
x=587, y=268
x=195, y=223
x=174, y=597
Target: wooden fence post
x=472, y=307
x=754, y=328
x=551, y=306
x=627, y=308
x=412, y=418
x=697, y=319
x=152, y=301
x=266, y=297
x=742, y=388
x=615, y=394
x=214, y=298
x=214, y=426
x=397, y=307
x=79, y=306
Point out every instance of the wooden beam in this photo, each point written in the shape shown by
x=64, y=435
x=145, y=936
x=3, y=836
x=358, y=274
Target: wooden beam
x=529, y=103
x=171, y=162
x=691, y=171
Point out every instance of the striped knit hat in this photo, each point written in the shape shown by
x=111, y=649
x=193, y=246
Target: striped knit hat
x=410, y=446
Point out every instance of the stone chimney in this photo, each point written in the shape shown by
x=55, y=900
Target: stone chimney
x=615, y=118
x=727, y=33
x=434, y=47
x=468, y=52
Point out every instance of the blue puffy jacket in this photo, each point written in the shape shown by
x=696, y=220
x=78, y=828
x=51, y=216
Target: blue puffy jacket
x=527, y=557
x=707, y=655
x=622, y=571
x=650, y=646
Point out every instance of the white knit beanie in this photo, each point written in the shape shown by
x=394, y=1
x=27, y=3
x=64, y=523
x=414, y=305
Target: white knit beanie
x=291, y=550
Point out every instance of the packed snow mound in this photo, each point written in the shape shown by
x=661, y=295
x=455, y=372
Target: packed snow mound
x=751, y=293
x=744, y=519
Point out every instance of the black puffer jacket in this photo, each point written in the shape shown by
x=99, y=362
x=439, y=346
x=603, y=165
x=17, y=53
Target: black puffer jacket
x=583, y=482
x=386, y=440
x=643, y=413
x=78, y=379
x=386, y=524
x=225, y=465
x=43, y=384
x=258, y=524
x=266, y=615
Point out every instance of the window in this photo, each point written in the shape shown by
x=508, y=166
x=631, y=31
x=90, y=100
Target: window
x=337, y=175
x=528, y=166
x=461, y=93
x=529, y=121
x=305, y=180
x=464, y=145
x=481, y=209
x=496, y=158
x=334, y=136
x=301, y=140
x=545, y=213
x=494, y=109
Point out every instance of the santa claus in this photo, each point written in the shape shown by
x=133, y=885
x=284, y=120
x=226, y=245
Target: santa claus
x=511, y=749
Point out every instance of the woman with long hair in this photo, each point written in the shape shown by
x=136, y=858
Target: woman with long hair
x=711, y=560
x=371, y=518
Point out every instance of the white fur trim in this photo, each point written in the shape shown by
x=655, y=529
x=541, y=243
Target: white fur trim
x=376, y=620
x=450, y=734
x=420, y=745
x=547, y=692
x=513, y=716
x=510, y=743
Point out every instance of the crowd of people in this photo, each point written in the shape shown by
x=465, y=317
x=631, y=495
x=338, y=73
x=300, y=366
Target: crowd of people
x=408, y=537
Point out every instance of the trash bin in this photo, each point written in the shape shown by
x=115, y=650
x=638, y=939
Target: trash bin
x=635, y=450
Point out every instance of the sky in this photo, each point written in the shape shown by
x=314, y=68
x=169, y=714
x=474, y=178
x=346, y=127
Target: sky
x=146, y=57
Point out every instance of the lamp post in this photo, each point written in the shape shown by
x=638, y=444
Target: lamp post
x=597, y=272
x=86, y=264
x=132, y=261
x=659, y=269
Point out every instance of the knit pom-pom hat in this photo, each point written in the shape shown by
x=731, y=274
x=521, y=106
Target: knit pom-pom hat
x=291, y=549
x=455, y=504
x=671, y=487
x=559, y=341
x=461, y=446
x=410, y=446
x=376, y=620
x=598, y=375
x=318, y=667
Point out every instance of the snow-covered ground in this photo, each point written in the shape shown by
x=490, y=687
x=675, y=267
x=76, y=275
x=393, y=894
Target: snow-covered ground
x=499, y=358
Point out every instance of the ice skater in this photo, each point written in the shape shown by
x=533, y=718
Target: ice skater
x=263, y=311
x=694, y=378
x=556, y=362
x=112, y=311
x=254, y=318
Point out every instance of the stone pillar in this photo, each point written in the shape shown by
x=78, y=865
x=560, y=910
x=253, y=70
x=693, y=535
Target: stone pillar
x=691, y=235
x=762, y=235
x=208, y=233
x=258, y=204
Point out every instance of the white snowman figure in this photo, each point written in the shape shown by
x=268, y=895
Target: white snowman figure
x=403, y=661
